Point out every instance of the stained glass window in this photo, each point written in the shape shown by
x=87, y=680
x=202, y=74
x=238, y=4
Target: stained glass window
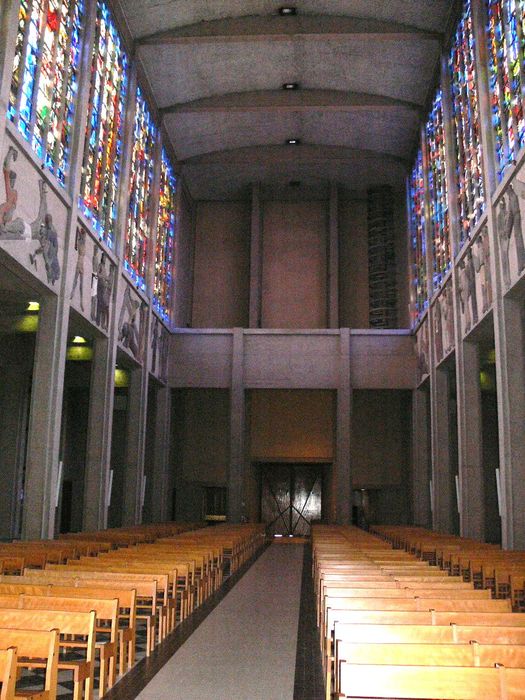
x=103, y=145
x=506, y=57
x=417, y=231
x=141, y=186
x=164, y=253
x=465, y=110
x=437, y=181
x=44, y=81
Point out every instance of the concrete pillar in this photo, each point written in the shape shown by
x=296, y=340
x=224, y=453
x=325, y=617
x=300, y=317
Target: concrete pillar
x=256, y=257
x=237, y=429
x=470, y=443
x=441, y=467
x=44, y=424
x=511, y=419
x=135, y=438
x=333, y=258
x=508, y=330
x=160, y=486
x=421, y=507
x=341, y=482
x=100, y=423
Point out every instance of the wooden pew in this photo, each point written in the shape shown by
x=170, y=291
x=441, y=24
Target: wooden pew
x=79, y=625
x=418, y=654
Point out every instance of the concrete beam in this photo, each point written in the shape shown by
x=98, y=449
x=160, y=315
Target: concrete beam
x=291, y=101
x=301, y=153
x=277, y=28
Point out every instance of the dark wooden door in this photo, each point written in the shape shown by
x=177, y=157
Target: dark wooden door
x=291, y=497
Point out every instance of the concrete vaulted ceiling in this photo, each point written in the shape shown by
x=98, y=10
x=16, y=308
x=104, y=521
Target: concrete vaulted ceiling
x=215, y=68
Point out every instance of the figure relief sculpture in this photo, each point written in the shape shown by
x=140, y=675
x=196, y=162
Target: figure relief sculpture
x=448, y=318
x=41, y=229
x=80, y=247
x=422, y=356
x=516, y=225
x=502, y=223
x=438, y=330
x=482, y=267
x=128, y=330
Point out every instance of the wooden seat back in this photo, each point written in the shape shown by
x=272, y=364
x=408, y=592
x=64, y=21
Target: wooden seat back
x=35, y=644
x=445, y=682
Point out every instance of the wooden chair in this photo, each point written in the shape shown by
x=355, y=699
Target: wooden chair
x=79, y=625
x=8, y=673
x=106, y=614
x=35, y=646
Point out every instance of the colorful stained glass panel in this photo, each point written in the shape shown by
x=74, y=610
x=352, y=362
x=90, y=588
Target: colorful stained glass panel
x=506, y=75
x=437, y=182
x=141, y=189
x=417, y=231
x=104, y=130
x=44, y=82
x=465, y=109
x=166, y=226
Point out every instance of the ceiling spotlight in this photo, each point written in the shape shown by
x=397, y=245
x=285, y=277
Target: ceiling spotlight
x=290, y=86
x=287, y=11
x=79, y=340
x=33, y=306
x=293, y=142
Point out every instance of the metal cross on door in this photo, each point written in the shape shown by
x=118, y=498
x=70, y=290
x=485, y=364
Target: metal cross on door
x=290, y=497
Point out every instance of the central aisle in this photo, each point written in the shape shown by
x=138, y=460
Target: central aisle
x=245, y=649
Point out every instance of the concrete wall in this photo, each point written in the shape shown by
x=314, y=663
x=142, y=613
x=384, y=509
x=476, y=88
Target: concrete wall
x=292, y=425
x=379, y=444
x=200, y=442
x=353, y=263
x=294, y=265
x=222, y=265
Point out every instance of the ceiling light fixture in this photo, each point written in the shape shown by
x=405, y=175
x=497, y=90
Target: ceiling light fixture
x=287, y=11
x=290, y=86
x=293, y=142
x=79, y=340
x=33, y=306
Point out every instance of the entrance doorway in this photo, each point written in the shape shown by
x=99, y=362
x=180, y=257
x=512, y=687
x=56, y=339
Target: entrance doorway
x=291, y=497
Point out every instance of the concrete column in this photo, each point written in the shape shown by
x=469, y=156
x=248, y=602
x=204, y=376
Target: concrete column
x=256, y=256
x=135, y=438
x=508, y=330
x=441, y=467
x=44, y=423
x=421, y=507
x=341, y=481
x=470, y=443
x=333, y=258
x=511, y=420
x=237, y=429
x=160, y=486
x=100, y=424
